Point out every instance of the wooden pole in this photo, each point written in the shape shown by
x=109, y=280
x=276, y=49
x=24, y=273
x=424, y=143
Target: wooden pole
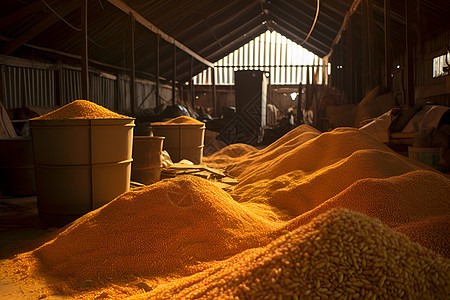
x=410, y=11
x=174, y=73
x=371, y=44
x=117, y=93
x=157, y=71
x=147, y=24
x=299, y=103
x=348, y=69
x=1, y=85
x=191, y=83
x=214, y=90
x=58, y=80
x=387, y=45
x=84, y=52
x=132, y=67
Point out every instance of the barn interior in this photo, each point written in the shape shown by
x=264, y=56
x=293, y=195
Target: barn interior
x=256, y=149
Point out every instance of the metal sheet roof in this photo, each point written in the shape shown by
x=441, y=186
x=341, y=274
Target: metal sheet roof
x=210, y=28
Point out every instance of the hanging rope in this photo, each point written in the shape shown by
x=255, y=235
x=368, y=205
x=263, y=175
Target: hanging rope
x=314, y=23
x=70, y=25
x=59, y=16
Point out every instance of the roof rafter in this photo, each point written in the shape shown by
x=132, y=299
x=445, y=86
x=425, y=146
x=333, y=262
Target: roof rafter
x=294, y=36
x=146, y=23
x=297, y=33
x=40, y=27
x=21, y=13
x=305, y=26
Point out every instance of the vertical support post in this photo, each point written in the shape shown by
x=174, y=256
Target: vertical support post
x=158, y=38
x=349, y=64
x=410, y=10
x=84, y=51
x=117, y=93
x=1, y=85
x=364, y=42
x=213, y=71
x=342, y=65
x=371, y=44
x=191, y=83
x=58, y=80
x=387, y=45
x=299, y=103
x=325, y=79
x=174, y=73
x=132, y=67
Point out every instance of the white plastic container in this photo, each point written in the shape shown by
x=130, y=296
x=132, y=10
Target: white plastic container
x=80, y=165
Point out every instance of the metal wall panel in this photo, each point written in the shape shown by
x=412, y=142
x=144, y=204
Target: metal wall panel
x=27, y=86
x=37, y=87
x=70, y=85
x=102, y=90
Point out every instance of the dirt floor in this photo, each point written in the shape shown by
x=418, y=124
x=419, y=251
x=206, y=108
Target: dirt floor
x=168, y=239
x=20, y=231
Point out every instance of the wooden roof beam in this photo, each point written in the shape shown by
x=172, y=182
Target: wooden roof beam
x=349, y=13
x=240, y=41
x=40, y=27
x=147, y=24
x=297, y=32
x=320, y=51
x=325, y=13
x=235, y=34
x=301, y=26
x=225, y=35
x=21, y=13
x=217, y=21
x=187, y=28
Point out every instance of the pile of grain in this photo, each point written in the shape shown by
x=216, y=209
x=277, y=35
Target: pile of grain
x=298, y=192
x=229, y=155
x=433, y=233
x=181, y=120
x=81, y=109
x=166, y=227
x=339, y=255
x=239, y=157
x=306, y=175
x=411, y=197
x=309, y=152
x=286, y=205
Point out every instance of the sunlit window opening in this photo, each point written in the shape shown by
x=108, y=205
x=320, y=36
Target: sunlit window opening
x=440, y=65
x=287, y=62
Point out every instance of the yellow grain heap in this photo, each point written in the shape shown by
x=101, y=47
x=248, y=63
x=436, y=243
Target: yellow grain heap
x=304, y=174
x=229, y=155
x=433, y=233
x=241, y=157
x=81, y=109
x=155, y=230
x=181, y=120
x=340, y=255
x=286, y=204
x=307, y=152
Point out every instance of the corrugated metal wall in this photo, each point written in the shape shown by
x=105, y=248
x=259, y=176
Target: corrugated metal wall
x=37, y=87
x=26, y=86
x=70, y=85
x=102, y=90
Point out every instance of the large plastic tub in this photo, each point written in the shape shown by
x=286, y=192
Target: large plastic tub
x=185, y=141
x=80, y=165
x=147, y=162
x=16, y=167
